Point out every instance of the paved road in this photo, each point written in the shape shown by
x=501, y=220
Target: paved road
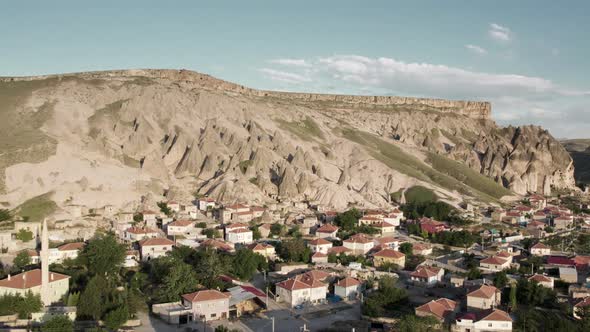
x=151, y=324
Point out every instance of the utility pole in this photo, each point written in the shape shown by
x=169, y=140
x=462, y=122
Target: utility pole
x=273, y=324
x=267, y=300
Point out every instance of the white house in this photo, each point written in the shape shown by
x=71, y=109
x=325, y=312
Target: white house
x=205, y=203
x=207, y=305
x=30, y=281
x=131, y=258
x=69, y=251
x=487, y=321
x=428, y=275
x=543, y=280
x=173, y=206
x=307, y=288
x=485, y=297
x=154, y=248
x=326, y=231
x=359, y=244
x=180, y=227
x=348, y=288
x=138, y=234
x=238, y=234
x=263, y=249
x=384, y=228
x=540, y=249
x=494, y=263
x=319, y=245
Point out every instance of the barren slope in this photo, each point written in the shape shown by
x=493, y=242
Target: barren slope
x=111, y=137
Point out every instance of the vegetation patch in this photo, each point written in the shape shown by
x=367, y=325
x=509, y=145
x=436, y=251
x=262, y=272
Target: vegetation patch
x=307, y=129
x=420, y=195
x=467, y=176
x=36, y=208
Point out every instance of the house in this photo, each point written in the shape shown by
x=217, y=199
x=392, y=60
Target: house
x=485, y=297
x=387, y=242
x=180, y=227
x=304, y=288
x=563, y=221
x=422, y=249
x=319, y=257
x=149, y=217
x=490, y=320
x=69, y=250
x=34, y=255
x=348, y=288
x=359, y=244
x=568, y=274
x=263, y=249
x=319, y=245
x=244, y=236
x=394, y=217
x=540, y=249
x=219, y=245
x=207, y=305
x=542, y=280
x=560, y=261
x=131, y=258
x=154, y=248
x=431, y=226
x=440, y=309
x=339, y=250
x=173, y=206
x=582, y=262
x=389, y=256
x=138, y=234
x=498, y=215
x=236, y=212
x=369, y=220
x=538, y=202
x=428, y=275
x=326, y=231
x=384, y=228
x=578, y=307
x=205, y=203
x=30, y=281
x=494, y=263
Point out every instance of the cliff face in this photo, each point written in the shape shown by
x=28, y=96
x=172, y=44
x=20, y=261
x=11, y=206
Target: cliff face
x=111, y=137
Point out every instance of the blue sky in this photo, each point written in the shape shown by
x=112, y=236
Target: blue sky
x=529, y=58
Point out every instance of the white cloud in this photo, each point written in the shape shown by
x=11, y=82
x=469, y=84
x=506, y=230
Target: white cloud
x=286, y=77
x=517, y=99
x=291, y=62
x=500, y=33
x=476, y=49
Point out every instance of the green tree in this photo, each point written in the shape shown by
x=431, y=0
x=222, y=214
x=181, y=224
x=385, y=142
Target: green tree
x=180, y=279
x=211, y=233
x=24, y=235
x=473, y=273
x=513, y=300
x=278, y=229
x=59, y=323
x=73, y=299
x=164, y=208
x=22, y=260
x=5, y=215
x=21, y=305
x=406, y=248
x=116, y=318
x=348, y=220
x=210, y=265
x=93, y=300
x=138, y=217
x=500, y=279
x=256, y=233
x=412, y=323
x=245, y=262
x=387, y=297
x=294, y=250
x=104, y=255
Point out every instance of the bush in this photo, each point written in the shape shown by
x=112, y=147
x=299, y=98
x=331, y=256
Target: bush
x=24, y=235
x=58, y=323
x=17, y=304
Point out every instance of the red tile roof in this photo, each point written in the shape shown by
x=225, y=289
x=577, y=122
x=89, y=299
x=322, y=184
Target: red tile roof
x=181, y=223
x=540, y=245
x=540, y=278
x=425, y=272
x=30, y=279
x=319, y=242
x=439, y=308
x=138, y=230
x=327, y=228
x=205, y=295
x=71, y=246
x=156, y=242
x=484, y=291
x=390, y=253
x=348, y=282
x=338, y=250
x=495, y=315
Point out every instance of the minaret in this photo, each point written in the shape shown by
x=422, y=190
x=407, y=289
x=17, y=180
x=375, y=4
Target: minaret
x=45, y=265
x=402, y=200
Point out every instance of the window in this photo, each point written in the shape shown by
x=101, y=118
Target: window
x=213, y=315
x=489, y=324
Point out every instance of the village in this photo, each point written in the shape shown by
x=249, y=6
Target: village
x=203, y=265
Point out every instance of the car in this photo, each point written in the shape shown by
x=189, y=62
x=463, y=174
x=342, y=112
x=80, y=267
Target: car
x=299, y=306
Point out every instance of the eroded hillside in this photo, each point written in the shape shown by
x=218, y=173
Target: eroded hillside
x=111, y=137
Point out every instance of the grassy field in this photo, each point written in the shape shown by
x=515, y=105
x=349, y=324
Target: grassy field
x=419, y=194
x=306, y=129
x=461, y=179
x=36, y=208
x=467, y=176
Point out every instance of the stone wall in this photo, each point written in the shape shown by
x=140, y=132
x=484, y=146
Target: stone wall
x=473, y=109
